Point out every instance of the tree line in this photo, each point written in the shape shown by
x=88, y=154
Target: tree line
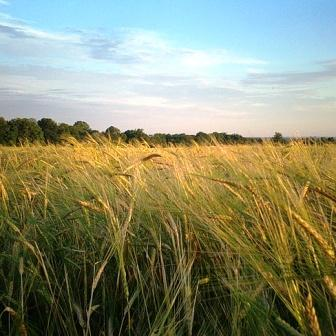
x=27, y=130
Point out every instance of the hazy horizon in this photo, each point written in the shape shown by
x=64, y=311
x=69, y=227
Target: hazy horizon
x=172, y=66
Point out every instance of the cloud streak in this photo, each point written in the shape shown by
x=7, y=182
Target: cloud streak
x=17, y=30
x=140, y=78
x=328, y=72
x=123, y=46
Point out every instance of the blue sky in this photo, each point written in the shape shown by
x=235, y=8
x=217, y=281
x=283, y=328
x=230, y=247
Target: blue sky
x=252, y=67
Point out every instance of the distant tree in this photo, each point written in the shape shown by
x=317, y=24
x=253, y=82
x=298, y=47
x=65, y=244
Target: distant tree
x=180, y=139
x=220, y=137
x=215, y=136
x=188, y=139
x=256, y=140
x=50, y=130
x=277, y=137
x=12, y=132
x=64, y=131
x=3, y=131
x=159, y=139
x=114, y=134
x=202, y=138
x=225, y=138
x=309, y=140
x=23, y=130
x=80, y=129
x=95, y=134
x=136, y=135
x=236, y=138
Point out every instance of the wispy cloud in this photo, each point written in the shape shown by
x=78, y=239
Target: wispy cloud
x=147, y=47
x=198, y=58
x=137, y=47
x=140, y=78
x=4, y=2
x=327, y=72
x=17, y=30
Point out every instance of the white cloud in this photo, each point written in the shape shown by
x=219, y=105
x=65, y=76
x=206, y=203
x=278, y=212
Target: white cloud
x=17, y=29
x=141, y=78
x=200, y=58
x=143, y=51
x=148, y=51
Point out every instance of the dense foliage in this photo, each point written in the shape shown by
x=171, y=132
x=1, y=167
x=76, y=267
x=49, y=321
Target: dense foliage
x=21, y=130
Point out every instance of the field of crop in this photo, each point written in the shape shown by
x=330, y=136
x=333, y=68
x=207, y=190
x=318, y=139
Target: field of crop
x=101, y=239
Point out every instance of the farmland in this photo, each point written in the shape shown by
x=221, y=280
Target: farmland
x=106, y=239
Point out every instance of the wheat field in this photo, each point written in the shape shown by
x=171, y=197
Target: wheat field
x=107, y=239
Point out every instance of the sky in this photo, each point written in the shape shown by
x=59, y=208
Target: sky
x=175, y=66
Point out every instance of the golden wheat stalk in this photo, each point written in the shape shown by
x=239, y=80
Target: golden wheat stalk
x=326, y=247
x=318, y=190
x=89, y=206
x=227, y=184
x=330, y=284
x=312, y=317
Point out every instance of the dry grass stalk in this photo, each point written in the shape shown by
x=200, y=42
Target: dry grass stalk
x=305, y=190
x=151, y=156
x=329, y=282
x=328, y=249
x=3, y=192
x=312, y=317
x=227, y=184
x=23, y=330
x=323, y=193
x=89, y=206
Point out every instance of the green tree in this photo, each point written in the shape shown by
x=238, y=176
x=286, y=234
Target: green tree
x=50, y=130
x=12, y=132
x=3, y=131
x=64, y=131
x=277, y=137
x=23, y=130
x=180, y=139
x=136, y=135
x=158, y=139
x=202, y=138
x=236, y=138
x=114, y=134
x=80, y=129
x=220, y=137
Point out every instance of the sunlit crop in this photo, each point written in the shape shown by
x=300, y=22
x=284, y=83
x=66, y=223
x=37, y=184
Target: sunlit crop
x=105, y=239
